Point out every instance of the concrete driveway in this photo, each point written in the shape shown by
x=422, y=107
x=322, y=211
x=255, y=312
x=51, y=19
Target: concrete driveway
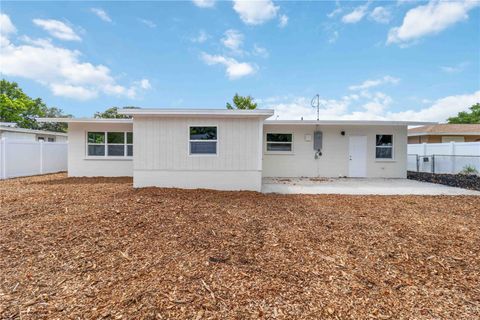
x=359, y=186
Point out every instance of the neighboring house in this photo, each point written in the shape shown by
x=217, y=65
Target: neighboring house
x=11, y=131
x=231, y=149
x=442, y=133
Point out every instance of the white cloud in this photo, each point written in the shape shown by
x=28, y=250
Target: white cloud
x=335, y=12
x=233, y=40
x=61, y=70
x=381, y=15
x=57, y=29
x=6, y=25
x=283, y=21
x=201, y=38
x=101, y=14
x=454, y=69
x=260, y=51
x=145, y=84
x=148, y=23
x=367, y=84
x=431, y=18
x=204, y=3
x=356, y=15
x=288, y=108
x=333, y=36
x=255, y=12
x=234, y=69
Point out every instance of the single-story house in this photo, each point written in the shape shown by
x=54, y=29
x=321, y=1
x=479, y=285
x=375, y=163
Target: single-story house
x=10, y=130
x=442, y=133
x=231, y=149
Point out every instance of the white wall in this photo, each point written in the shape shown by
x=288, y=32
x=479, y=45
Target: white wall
x=80, y=165
x=26, y=158
x=335, y=155
x=18, y=135
x=161, y=156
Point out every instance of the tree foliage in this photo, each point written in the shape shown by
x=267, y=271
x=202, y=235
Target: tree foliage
x=242, y=103
x=16, y=106
x=467, y=117
x=112, y=113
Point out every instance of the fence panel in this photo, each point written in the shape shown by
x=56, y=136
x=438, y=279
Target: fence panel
x=20, y=158
x=450, y=157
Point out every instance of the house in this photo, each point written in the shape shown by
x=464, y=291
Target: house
x=12, y=131
x=231, y=149
x=441, y=133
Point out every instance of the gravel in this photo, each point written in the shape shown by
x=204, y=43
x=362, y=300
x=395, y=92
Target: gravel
x=96, y=248
x=471, y=182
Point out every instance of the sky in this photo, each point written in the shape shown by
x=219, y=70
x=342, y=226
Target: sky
x=368, y=60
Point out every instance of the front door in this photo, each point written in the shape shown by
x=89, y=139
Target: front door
x=357, y=161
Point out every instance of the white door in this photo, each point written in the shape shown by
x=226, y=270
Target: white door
x=357, y=161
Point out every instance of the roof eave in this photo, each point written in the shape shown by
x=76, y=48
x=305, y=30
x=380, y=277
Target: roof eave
x=84, y=120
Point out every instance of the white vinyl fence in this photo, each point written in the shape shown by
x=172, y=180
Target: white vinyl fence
x=27, y=158
x=451, y=157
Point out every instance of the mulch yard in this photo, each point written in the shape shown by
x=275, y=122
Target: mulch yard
x=88, y=248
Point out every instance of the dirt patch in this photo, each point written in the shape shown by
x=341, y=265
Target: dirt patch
x=96, y=248
x=471, y=182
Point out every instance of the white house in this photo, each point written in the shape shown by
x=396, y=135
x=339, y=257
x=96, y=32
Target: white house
x=10, y=130
x=231, y=149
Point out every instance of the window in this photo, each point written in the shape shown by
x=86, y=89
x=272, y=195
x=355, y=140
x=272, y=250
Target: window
x=203, y=140
x=112, y=144
x=279, y=142
x=51, y=139
x=384, y=146
x=41, y=138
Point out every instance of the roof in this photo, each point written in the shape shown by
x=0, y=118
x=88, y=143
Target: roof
x=446, y=129
x=25, y=130
x=347, y=122
x=262, y=113
x=85, y=120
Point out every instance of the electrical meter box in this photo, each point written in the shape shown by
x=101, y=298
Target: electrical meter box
x=317, y=140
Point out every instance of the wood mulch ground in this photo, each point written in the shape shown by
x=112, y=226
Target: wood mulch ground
x=88, y=248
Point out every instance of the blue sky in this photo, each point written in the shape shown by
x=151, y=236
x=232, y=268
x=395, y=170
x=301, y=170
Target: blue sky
x=407, y=60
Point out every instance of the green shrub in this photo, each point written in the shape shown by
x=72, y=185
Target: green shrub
x=469, y=170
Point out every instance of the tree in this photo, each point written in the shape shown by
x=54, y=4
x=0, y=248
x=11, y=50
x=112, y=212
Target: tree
x=467, y=117
x=16, y=106
x=112, y=113
x=242, y=103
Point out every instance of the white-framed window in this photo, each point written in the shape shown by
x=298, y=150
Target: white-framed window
x=51, y=139
x=384, y=146
x=203, y=140
x=109, y=144
x=279, y=142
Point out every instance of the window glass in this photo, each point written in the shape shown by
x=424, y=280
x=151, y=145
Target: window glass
x=51, y=139
x=130, y=150
x=203, y=147
x=384, y=140
x=96, y=137
x=279, y=142
x=279, y=147
x=96, y=150
x=384, y=146
x=129, y=137
x=203, y=133
x=279, y=137
x=115, y=137
x=116, y=150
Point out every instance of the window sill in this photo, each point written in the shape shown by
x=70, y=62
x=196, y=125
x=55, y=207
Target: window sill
x=280, y=153
x=109, y=158
x=385, y=160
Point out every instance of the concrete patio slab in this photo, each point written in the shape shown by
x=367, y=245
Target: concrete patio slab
x=359, y=186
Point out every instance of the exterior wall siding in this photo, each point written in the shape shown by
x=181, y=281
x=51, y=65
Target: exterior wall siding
x=161, y=156
x=438, y=139
x=79, y=165
x=334, y=161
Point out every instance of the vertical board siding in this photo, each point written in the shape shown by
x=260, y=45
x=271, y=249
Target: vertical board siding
x=163, y=144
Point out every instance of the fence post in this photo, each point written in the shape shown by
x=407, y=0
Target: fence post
x=433, y=163
x=452, y=152
x=41, y=157
x=3, y=159
x=418, y=163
